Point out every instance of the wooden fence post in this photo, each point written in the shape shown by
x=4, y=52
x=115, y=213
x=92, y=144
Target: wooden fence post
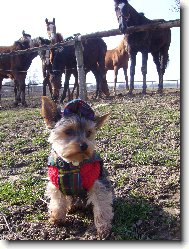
x=80, y=68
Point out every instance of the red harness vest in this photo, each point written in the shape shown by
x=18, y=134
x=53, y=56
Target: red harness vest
x=74, y=180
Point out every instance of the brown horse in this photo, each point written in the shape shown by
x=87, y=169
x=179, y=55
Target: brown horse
x=118, y=58
x=156, y=42
x=16, y=66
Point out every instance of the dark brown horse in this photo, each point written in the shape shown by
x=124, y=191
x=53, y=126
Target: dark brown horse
x=16, y=66
x=118, y=58
x=94, y=60
x=64, y=61
x=57, y=38
x=156, y=42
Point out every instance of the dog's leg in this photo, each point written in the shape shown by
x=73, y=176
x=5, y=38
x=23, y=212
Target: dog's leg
x=102, y=200
x=59, y=204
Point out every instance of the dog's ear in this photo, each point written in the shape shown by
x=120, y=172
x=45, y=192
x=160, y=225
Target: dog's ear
x=100, y=120
x=49, y=112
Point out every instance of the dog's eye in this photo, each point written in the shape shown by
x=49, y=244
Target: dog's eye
x=88, y=134
x=69, y=132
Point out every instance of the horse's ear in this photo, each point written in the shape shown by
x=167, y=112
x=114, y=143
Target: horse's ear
x=53, y=20
x=23, y=32
x=49, y=112
x=100, y=120
x=46, y=20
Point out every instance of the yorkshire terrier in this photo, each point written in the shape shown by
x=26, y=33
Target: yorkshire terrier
x=75, y=169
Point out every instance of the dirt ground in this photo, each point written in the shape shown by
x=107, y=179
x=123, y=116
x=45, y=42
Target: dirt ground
x=153, y=188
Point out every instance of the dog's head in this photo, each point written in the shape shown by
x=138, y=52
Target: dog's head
x=73, y=130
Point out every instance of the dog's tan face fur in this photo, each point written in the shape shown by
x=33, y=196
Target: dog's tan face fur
x=70, y=133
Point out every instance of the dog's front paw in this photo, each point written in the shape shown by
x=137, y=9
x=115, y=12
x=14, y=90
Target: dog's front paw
x=56, y=221
x=103, y=234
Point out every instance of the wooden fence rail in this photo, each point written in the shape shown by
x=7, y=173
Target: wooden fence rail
x=107, y=33
x=77, y=42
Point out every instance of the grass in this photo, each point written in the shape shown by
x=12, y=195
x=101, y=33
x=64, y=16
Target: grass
x=141, y=149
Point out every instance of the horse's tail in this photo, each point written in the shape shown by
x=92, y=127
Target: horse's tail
x=167, y=62
x=163, y=59
x=102, y=44
x=101, y=62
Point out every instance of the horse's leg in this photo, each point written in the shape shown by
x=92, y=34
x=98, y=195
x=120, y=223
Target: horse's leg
x=22, y=90
x=16, y=92
x=161, y=73
x=66, y=85
x=95, y=71
x=49, y=85
x=144, y=70
x=158, y=66
x=69, y=94
x=132, y=70
x=115, y=78
x=19, y=89
x=45, y=85
x=44, y=77
x=1, y=79
x=103, y=85
x=163, y=64
x=126, y=77
x=76, y=85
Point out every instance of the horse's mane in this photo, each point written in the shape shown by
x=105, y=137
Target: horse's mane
x=44, y=40
x=59, y=37
x=122, y=47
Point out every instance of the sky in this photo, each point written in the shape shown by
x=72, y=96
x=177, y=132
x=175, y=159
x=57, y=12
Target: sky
x=86, y=17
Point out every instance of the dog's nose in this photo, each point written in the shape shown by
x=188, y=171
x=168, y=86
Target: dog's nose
x=83, y=146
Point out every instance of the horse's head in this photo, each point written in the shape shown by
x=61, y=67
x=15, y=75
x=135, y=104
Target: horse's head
x=51, y=29
x=25, y=37
x=122, y=13
x=21, y=44
x=39, y=41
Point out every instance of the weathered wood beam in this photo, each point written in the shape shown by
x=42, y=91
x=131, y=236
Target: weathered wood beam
x=112, y=32
x=155, y=25
x=80, y=69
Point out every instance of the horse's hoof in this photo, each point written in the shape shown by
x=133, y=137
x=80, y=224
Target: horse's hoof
x=160, y=91
x=15, y=104
x=130, y=93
